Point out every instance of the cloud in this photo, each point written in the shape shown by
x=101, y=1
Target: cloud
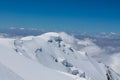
x=21, y=28
x=3, y=35
x=12, y=28
x=115, y=62
x=90, y=47
x=109, y=55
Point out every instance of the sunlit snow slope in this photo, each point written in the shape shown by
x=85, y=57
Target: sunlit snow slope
x=51, y=56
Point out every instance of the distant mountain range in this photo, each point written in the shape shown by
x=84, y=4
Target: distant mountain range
x=12, y=31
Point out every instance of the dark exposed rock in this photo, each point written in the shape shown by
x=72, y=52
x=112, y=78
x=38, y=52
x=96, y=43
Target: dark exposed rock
x=71, y=49
x=38, y=50
x=50, y=41
x=58, y=39
x=75, y=72
x=83, y=75
x=65, y=63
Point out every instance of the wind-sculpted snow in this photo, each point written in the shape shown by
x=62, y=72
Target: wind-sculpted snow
x=51, y=56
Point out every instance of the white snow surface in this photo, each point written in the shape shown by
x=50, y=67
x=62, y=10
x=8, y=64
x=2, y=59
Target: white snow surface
x=50, y=56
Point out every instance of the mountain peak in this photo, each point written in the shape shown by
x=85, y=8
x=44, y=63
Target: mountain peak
x=52, y=53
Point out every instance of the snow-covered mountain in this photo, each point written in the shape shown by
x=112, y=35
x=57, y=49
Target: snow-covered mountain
x=50, y=56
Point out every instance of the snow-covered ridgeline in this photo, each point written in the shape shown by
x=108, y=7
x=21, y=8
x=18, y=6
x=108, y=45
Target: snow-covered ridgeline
x=51, y=56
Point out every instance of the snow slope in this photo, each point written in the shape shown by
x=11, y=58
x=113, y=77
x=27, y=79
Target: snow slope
x=7, y=74
x=50, y=56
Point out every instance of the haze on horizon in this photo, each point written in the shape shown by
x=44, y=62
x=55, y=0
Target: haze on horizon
x=63, y=15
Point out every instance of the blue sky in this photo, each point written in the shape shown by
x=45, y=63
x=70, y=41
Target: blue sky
x=62, y=15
